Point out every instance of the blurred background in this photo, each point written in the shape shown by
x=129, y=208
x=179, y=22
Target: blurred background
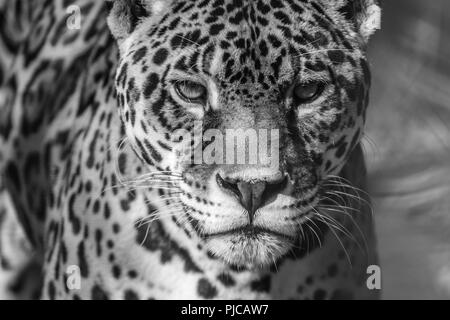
x=408, y=147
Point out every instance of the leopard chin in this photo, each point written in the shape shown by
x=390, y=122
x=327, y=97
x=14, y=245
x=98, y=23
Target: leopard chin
x=251, y=251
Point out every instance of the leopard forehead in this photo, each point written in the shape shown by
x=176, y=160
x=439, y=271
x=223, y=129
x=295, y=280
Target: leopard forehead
x=252, y=50
x=255, y=35
x=241, y=46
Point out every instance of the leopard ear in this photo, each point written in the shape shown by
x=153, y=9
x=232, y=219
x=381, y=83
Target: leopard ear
x=125, y=15
x=365, y=14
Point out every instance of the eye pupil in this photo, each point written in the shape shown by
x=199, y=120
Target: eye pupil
x=191, y=91
x=307, y=92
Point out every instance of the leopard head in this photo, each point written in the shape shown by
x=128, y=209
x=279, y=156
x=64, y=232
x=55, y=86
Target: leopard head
x=283, y=76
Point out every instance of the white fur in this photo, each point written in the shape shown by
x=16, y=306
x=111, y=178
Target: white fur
x=371, y=21
x=157, y=7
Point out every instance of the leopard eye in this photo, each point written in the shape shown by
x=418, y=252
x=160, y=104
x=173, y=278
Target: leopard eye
x=307, y=92
x=191, y=92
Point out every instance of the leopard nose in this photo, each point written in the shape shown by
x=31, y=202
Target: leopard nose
x=253, y=195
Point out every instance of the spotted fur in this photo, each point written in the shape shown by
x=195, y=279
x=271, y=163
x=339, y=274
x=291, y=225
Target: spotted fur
x=90, y=157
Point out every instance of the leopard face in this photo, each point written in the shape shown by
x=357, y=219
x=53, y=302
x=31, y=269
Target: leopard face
x=294, y=68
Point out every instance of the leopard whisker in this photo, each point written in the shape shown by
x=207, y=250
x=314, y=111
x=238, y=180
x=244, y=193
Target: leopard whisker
x=346, y=183
x=336, y=235
x=363, y=236
x=340, y=205
x=313, y=230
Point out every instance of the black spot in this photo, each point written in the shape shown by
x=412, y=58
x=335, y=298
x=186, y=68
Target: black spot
x=332, y=270
x=174, y=23
x=153, y=237
x=176, y=41
x=160, y=56
x=88, y=186
x=276, y=4
x=263, y=48
x=336, y=56
x=262, y=7
x=309, y=280
x=124, y=205
x=205, y=289
x=150, y=84
x=74, y=220
x=116, y=228
x=92, y=148
x=231, y=35
x=116, y=271
x=130, y=295
x=216, y=28
x=121, y=78
x=107, y=211
x=274, y=41
x=132, y=274
x=226, y=279
x=284, y=18
x=82, y=263
x=318, y=66
x=96, y=206
x=122, y=163
x=63, y=251
x=14, y=177
x=261, y=285
x=98, y=241
x=341, y=150
x=51, y=290
x=110, y=244
x=139, y=54
x=153, y=152
x=342, y=294
x=98, y=293
x=366, y=71
x=319, y=294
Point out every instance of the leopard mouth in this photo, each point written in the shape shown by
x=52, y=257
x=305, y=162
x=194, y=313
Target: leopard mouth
x=249, y=231
x=249, y=247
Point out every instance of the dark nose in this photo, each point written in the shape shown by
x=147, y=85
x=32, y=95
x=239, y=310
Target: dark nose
x=253, y=195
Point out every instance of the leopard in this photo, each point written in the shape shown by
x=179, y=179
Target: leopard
x=94, y=96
